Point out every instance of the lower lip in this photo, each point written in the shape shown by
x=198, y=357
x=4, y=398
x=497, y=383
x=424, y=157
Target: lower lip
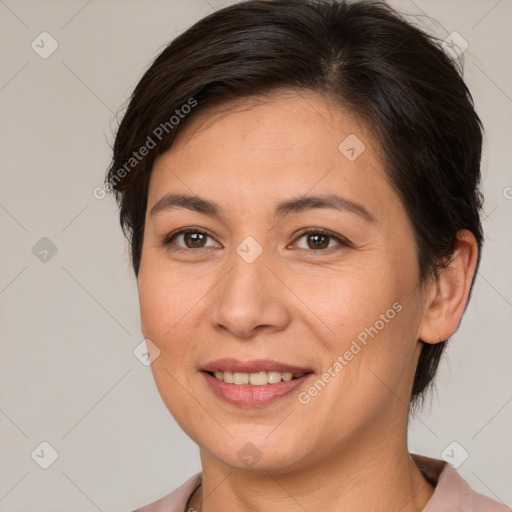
x=248, y=395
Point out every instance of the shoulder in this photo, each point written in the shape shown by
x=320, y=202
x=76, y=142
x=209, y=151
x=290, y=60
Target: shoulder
x=452, y=493
x=176, y=500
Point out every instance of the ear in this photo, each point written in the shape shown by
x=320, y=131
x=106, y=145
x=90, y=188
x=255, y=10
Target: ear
x=447, y=296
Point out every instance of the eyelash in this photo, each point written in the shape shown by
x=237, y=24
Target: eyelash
x=167, y=241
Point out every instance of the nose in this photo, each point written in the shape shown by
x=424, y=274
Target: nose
x=250, y=299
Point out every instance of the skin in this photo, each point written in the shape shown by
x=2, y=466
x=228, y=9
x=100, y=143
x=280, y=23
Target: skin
x=346, y=449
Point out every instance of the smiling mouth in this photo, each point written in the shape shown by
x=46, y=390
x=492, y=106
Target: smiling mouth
x=253, y=383
x=256, y=378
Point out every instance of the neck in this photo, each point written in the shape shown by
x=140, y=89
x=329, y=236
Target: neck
x=382, y=478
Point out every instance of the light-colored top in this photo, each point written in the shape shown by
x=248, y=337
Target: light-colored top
x=452, y=493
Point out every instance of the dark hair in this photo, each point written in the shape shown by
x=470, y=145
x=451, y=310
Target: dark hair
x=395, y=78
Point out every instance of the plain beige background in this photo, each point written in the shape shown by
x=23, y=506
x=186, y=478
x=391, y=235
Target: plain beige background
x=68, y=303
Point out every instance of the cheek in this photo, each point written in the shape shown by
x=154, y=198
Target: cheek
x=372, y=313
x=172, y=303
x=166, y=297
x=351, y=299
x=161, y=308
x=166, y=306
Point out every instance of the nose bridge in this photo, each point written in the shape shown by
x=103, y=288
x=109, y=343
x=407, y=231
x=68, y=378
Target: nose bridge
x=248, y=297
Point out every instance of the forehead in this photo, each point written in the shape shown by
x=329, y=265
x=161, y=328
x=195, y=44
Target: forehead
x=283, y=144
x=287, y=119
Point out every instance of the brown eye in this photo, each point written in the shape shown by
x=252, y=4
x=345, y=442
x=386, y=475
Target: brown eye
x=320, y=240
x=188, y=239
x=317, y=241
x=194, y=240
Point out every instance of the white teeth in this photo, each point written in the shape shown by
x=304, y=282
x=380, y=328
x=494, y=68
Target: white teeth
x=273, y=377
x=240, y=378
x=256, y=379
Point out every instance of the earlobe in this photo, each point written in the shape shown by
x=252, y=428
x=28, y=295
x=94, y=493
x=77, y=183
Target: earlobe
x=448, y=294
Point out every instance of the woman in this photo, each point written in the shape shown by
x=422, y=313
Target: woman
x=299, y=182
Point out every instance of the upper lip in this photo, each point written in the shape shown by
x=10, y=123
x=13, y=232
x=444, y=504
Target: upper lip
x=254, y=366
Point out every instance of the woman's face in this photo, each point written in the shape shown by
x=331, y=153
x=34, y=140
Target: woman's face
x=248, y=291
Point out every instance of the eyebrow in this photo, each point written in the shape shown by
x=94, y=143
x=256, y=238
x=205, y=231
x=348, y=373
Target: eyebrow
x=198, y=204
